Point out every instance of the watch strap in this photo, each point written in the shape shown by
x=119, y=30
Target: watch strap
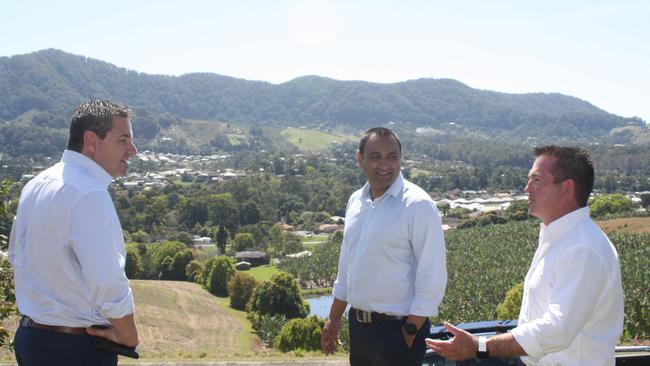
x=482, y=352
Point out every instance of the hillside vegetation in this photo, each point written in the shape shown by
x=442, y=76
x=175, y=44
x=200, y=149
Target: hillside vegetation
x=43, y=88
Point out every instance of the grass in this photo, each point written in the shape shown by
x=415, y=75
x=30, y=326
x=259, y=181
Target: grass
x=314, y=239
x=263, y=273
x=313, y=140
x=180, y=320
x=629, y=224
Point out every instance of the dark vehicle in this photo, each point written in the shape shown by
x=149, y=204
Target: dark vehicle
x=632, y=356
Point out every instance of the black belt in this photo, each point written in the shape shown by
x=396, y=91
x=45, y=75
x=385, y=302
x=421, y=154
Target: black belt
x=370, y=317
x=27, y=322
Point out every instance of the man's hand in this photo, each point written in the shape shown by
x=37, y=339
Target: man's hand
x=408, y=338
x=108, y=333
x=122, y=331
x=462, y=346
x=329, y=340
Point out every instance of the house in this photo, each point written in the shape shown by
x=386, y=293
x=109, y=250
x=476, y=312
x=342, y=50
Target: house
x=255, y=258
x=328, y=228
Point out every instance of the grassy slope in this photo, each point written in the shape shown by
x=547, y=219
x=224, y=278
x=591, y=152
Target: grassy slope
x=180, y=320
x=313, y=140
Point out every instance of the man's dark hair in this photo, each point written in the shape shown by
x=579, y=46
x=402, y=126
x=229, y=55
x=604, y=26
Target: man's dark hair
x=572, y=163
x=96, y=116
x=381, y=132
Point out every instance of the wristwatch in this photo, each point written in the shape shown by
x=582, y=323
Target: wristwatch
x=410, y=328
x=482, y=352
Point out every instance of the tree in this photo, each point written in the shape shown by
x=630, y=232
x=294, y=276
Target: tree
x=280, y=295
x=179, y=264
x=443, y=207
x=194, y=271
x=243, y=241
x=154, y=266
x=240, y=289
x=222, y=238
x=608, y=204
x=220, y=272
x=133, y=266
x=645, y=200
x=165, y=268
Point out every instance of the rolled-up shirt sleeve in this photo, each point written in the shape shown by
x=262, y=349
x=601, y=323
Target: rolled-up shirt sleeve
x=578, y=283
x=96, y=238
x=428, y=244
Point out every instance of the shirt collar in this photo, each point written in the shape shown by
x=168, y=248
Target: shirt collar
x=394, y=190
x=553, y=230
x=94, y=169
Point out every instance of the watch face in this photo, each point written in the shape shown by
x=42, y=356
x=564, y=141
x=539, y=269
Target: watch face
x=410, y=328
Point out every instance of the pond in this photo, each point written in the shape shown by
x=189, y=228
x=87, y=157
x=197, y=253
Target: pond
x=320, y=305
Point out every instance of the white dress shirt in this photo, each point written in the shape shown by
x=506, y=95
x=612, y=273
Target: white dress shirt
x=572, y=307
x=393, y=254
x=67, y=247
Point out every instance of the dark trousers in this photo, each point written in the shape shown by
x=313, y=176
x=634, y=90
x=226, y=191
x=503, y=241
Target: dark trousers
x=39, y=347
x=383, y=344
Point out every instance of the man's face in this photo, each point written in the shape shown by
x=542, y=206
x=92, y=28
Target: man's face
x=544, y=195
x=113, y=152
x=380, y=162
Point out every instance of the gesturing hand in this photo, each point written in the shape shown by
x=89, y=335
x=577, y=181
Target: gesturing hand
x=462, y=346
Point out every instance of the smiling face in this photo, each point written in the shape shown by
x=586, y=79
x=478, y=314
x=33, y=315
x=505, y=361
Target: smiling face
x=548, y=200
x=113, y=152
x=380, y=161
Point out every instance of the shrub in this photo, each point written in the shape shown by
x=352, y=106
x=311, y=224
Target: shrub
x=240, y=289
x=509, y=308
x=220, y=272
x=266, y=326
x=194, y=271
x=634, y=256
x=280, y=295
x=300, y=334
x=489, y=218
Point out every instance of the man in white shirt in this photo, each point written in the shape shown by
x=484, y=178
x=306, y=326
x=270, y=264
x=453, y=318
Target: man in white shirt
x=67, y=248
x=572, y=306
x=392, y=267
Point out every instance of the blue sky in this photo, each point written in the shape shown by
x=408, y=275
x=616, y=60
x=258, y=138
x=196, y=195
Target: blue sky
x=592, y=49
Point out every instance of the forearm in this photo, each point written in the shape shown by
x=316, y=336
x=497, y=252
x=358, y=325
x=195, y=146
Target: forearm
x=337, y=309
x=125, y=330
x=504, y=345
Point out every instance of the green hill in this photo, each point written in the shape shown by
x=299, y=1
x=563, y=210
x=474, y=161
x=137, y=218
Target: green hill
x=43, y=88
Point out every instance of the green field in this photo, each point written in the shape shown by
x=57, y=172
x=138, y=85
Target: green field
x=313, y=140
x=263, y=273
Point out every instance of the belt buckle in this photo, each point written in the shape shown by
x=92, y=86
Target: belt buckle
x=363, y=316
x=26, y=321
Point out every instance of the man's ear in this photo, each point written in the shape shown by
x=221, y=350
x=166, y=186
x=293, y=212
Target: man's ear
x=359, y=157
x=569, y=186
x=90, y=141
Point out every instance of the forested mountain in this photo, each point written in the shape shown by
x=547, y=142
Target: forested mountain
x=38, y=92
